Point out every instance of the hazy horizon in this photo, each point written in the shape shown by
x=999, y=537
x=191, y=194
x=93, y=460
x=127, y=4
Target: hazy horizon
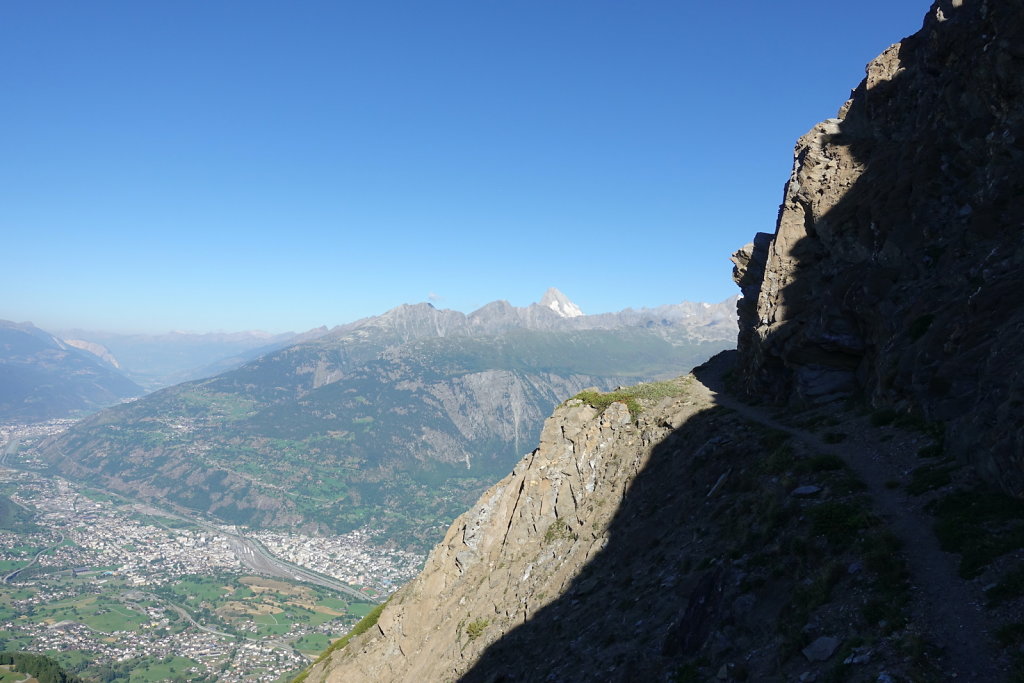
x=64, y=330
x=239, y=166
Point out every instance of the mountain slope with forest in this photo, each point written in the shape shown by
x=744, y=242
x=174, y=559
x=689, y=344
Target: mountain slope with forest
x=401, y=419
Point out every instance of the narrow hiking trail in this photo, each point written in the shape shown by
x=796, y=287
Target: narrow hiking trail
x=947, y=608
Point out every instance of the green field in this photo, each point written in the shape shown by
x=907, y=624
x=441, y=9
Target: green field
x=200, y=589
x=171, y=667
x=237, y=604
x=8, y=676
x=361, y=609
x=247, y=607
x=10, y=565
x=314, y=643
x=98, y=613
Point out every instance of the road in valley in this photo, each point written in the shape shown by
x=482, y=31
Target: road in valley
x=254, y=555
x=7, y=579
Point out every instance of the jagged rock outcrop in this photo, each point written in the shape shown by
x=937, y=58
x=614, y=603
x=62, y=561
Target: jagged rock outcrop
x=896, y=267
x=98, y=350
x=525, y=545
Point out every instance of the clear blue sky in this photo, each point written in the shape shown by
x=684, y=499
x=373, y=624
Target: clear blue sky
x=240, y=164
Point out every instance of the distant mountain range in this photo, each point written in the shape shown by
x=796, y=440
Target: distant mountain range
x=41, y=377
x=396, y=420
x=155, y=361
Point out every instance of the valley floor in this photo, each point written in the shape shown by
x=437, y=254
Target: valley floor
x=118, y=590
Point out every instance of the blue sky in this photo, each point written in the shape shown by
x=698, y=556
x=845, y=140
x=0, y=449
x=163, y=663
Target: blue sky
x=238, y=165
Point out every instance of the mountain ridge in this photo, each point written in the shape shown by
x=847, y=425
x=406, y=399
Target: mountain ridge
x=399, y=419
x=42, y=377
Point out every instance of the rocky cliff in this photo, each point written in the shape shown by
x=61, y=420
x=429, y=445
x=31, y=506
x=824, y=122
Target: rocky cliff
x=519, y=557
x=895, y=269
x=658, y=534
x=672, y=533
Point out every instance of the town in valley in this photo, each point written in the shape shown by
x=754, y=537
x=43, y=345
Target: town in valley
x=110, y=586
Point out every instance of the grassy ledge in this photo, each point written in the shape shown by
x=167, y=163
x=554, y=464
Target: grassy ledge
x=364, y=625
x=632, y=396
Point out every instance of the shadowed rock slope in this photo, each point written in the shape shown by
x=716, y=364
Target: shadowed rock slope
x=657, y=536
x=896, y=268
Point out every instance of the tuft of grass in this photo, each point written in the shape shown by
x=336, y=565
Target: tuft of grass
x=928, y=478
x=881, y=553
x=1011, y=634
x=772, y=439
x=780, y=460
x=980, y=525
x=688, y=673
x=825, y=462
x=476, y=628
x=632, y=396
x=883, y=417
x=558, y=530
x=807, y=598
x=837, y=521
x=834, y=437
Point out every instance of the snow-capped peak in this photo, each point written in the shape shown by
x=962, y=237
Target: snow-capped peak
x=560, y=304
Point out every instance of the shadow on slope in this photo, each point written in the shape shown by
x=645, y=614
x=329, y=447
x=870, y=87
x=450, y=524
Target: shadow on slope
x=712, y=563
x=897, y=261
x=895, y=269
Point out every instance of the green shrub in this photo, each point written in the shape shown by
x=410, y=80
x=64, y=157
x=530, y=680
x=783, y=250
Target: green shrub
x=980, y=525
x=558, y=530
x=475, y=628
x=883, y=417
x=929, y=478
x=838, y=522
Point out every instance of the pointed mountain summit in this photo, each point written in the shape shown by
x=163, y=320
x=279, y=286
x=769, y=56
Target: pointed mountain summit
x=560, y=304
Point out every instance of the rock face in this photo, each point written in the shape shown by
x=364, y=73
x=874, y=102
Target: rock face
x=42, y=377
x=661, y=544
x=895, y=269
x=524, y=547
x=98, y=350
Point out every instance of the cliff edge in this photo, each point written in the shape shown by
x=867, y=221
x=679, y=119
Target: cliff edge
x=895, y=269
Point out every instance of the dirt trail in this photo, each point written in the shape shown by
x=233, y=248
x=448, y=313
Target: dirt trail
x=943, y=605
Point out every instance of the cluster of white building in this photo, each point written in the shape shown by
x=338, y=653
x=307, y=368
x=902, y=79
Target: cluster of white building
x=353, y=558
